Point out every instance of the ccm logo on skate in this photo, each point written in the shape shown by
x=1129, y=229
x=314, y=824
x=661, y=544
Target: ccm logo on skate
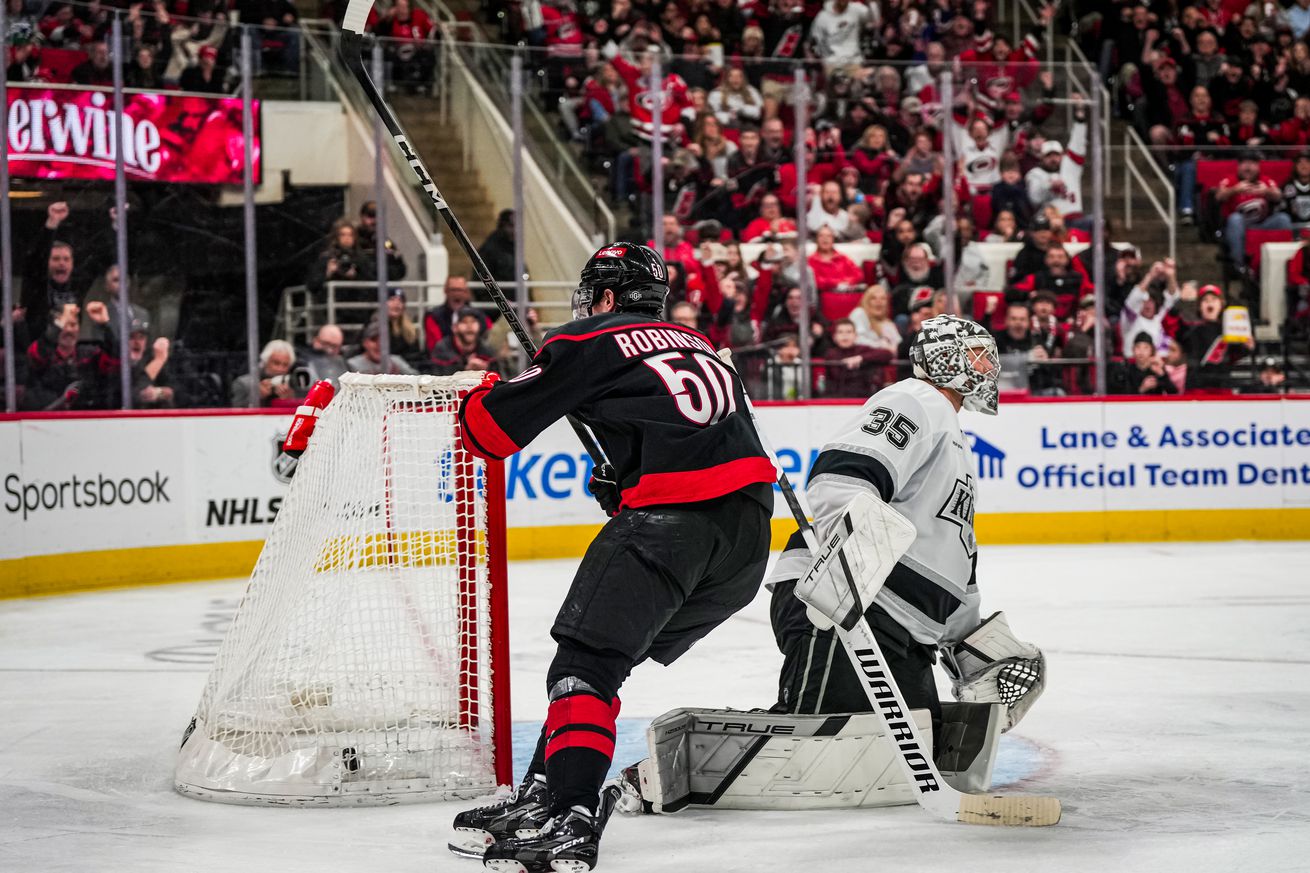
x=898, y=724
x=746, y=727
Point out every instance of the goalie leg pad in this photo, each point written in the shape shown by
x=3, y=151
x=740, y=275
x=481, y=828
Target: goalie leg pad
x=991, y=665
x=757, y=760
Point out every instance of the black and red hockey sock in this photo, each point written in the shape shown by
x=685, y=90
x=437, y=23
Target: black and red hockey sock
x=578, y=749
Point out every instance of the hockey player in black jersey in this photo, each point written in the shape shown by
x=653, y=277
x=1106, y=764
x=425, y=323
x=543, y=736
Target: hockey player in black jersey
x=689, y=489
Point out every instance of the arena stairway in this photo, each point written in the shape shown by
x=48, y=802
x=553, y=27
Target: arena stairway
x=443, y=151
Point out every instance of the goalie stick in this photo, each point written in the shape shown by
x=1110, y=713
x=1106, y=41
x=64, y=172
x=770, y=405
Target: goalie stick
x=351, y=52
x=885, y=698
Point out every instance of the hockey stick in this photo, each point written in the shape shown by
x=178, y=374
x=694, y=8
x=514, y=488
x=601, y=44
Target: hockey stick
x=351, y=51
x=886, y=700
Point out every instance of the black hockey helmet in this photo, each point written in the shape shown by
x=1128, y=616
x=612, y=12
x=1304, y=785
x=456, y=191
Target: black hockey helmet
x=635, y=273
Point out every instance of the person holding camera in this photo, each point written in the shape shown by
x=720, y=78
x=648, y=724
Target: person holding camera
x=275, y=382
x=342, y=260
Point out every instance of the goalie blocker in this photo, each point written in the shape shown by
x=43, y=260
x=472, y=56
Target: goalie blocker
x=730, y=759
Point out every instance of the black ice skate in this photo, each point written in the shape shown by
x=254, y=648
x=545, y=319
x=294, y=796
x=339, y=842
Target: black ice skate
x=520, y=815
x=568, y=843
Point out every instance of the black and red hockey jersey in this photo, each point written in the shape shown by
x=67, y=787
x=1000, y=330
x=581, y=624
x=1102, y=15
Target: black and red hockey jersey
x=669, y=414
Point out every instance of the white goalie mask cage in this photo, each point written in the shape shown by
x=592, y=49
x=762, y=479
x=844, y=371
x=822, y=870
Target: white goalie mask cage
x=942, y=353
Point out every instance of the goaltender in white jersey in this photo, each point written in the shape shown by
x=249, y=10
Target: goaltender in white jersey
x=906, y=448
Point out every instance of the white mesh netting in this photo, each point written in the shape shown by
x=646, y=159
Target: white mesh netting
x=357, y=669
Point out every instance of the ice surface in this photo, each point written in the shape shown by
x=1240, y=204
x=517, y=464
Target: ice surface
x=1174, y=728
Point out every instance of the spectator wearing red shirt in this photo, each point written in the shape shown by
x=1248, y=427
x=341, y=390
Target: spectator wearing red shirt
x=1295, y=130
x=676, y=247
x=833, y=271
x=638, y=80
x=770, y=224
x=1249, y=201
x=824, y=157
x=874, y=158
x=411, y=55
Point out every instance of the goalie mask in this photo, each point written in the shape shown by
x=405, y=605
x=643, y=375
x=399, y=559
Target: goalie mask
x=955, y=353
x=634, y=273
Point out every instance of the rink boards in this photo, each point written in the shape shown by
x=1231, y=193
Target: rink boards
x=98, y=500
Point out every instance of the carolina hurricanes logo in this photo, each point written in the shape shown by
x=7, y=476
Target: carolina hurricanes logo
x=982, y=164
x=612, y=252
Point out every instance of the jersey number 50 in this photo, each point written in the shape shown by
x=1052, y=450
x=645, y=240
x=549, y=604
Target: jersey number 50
x=703, y=398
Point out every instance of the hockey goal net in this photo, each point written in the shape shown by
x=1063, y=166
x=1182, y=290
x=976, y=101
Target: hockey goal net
x=368, y=661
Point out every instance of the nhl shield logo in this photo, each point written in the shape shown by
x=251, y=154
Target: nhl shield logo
x=284, y=467
x=958, y=510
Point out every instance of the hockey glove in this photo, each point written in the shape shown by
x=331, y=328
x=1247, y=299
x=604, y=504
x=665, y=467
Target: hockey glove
x=991, y=666
x=604, y=486
x=302, y=426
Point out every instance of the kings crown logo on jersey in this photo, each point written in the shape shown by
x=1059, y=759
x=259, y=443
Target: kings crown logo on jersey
x=958, y=510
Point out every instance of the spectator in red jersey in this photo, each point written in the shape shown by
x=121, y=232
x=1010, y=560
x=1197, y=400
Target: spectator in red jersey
x=605, y=93
x=770, y=224
x=824, y=158
x=1249, y=131
x=1249, y=200
x=853, y=370
x=874, y=158
x=1295, y=130
x=637, y=77
x=411, y=55
x=676, y=247
x=833, y=271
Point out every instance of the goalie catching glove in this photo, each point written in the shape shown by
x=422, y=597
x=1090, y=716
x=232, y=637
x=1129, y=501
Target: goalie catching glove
x=991, y=666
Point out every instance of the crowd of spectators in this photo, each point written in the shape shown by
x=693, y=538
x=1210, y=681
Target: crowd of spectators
x=874, y=161
x=188, y=45
x=1221, y=90
x=871, y=202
